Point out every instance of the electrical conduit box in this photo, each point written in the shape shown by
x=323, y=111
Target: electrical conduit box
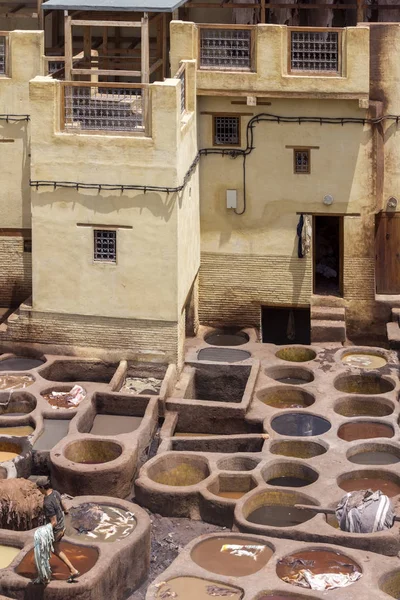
x=231, y=198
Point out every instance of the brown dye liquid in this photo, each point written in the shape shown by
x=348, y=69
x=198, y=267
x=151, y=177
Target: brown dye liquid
x=362, y=431
x=54, y=430
x=215, y=556
x=197, y=589
x=82, y=558
x=7, y=555
x=361, y=360
x=280, y=516
x=231, y=495
x=119, y=524
x=374, y=458
x=288, y=481
x=4, y=455
x=390, y=488
x=316, y=561
x=182, y=475
x=19, y=431
x=15, y=382
x=114, y=424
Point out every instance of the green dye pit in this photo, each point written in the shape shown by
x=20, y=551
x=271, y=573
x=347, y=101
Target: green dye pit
x=181, y=475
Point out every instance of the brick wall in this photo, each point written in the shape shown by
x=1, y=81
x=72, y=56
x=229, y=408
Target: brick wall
x=15, y=271
x=100, y=332
x=233, y=286
x=359, y=278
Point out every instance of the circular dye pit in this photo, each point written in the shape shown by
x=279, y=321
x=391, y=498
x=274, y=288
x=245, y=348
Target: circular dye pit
x=228, y=355
x=363, y=384
x=238, y=463
x=99, y=523
x=9, y=451
x=231, y=556
x=178, y=472
x=364, y=430
x=289, y=475
x=296, y=354
x=390, y=584
x=276, y=509
x=300, y=424
x=290, y=375
x=20, y=404
x=7, y=555
x=82, y=557
x=92, y=452
x=388, y=483
x=286, y=397
x=65, y=397
x=364, y=407
x=20, y=363
x=196, y=589
x=18, y=431
x=15, y=382
x=232, y=487
x=364, y=360
x=297, y=449
x=374, y=454
x=226, y=337
x=283, y=596
x=318, y=562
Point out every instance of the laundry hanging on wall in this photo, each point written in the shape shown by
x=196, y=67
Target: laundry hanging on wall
x=304, y=233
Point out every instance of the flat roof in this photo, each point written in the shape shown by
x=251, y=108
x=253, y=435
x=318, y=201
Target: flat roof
x=114, y=5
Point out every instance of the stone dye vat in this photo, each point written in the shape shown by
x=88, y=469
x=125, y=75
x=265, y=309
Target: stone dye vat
x=7, y=555
x=238, y=463
x=300, y=424
x=17, y=431
x=298, y=449
x=364, y=430
x=288, y=474
x=72, y=370
x=290, y=375
x=286, y=397
x=99, y=522
x=364, y=360
x=92, y=452
x=140, y=378
x=364, y=384
x=53, y=431
x=83, y=558
x=217, y=383
x=180, y=473
x=364, y=407
x=17, y=404
x=231, y=556
x=196, y=589
x=15, y=382
x=374, y=454
x=226, y=355
x=387, y=482
x=20, y=363
x=64, y=397
x=8, y=451
x=277, y=509
x=115, y=414
x=227, y=337
x=296, y=354
x=232, y=487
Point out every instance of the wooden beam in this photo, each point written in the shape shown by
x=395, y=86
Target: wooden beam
x=40, y=14
x=68, y=45
x=156, y=65
x=262, y=15
x=360, y=11
x=164, y=45
x=115, y=72
x=94, y=23
x=87, y=42
x=145, y=50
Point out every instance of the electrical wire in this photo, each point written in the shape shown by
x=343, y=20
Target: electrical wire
x=14, y=118
x=234, y=153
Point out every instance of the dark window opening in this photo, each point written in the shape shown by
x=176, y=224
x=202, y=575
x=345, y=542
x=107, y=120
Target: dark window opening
x=285, y=325
x=226, y=131
x=105, y=245
x=327, y=255
x=27, y=245
x=301, y=159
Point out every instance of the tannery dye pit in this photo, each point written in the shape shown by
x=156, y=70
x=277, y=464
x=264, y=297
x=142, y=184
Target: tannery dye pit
x=300, y=424
x=99, y=522
x=20, y=364
x=92, y=452
x=364, y=430
x=15, y=382
x=54, y=430
x=281, y=397
x=388, y=483
x=7, y=555
x=180, y=475
x=83, y=558
x=114, y=424
x=17, y=431
x=363, y=384
x=231, y=556
x=362, y=360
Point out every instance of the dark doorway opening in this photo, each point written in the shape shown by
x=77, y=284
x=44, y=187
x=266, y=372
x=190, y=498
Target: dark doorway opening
x=328, y=255
x=285, y=325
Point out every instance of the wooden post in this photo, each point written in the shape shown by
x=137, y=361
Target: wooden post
x=105, y=40
x=40, y=14
x=360, y=11
x=164, y=45
x=262, y=15
x=175, y=15
x=68, y=45
x=87, y=45
x=145, y=49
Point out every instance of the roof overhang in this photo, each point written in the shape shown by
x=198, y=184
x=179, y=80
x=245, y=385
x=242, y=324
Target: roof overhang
x=114, y=5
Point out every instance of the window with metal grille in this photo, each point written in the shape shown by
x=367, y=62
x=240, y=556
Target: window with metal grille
x=226, y=131
x=301, y=161
x=314, y=51
x=225, y=49
x=105, y=245
x=3, y=51
x=182, y=77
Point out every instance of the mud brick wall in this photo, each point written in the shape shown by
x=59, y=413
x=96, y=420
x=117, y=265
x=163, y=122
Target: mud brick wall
x=233, y=286
x=15, y=271
x=93, y=331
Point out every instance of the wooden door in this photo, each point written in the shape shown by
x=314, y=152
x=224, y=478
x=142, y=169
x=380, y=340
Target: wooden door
x=387, y=253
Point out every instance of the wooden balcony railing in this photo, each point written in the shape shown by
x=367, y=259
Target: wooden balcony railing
x=226, y=47
x=181, y=74
x=104, y=107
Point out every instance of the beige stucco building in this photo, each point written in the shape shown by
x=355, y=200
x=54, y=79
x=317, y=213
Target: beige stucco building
x=178, y=173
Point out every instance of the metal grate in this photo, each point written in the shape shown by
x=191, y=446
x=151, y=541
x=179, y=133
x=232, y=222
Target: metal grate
x=55, y=65
x=103, y=108
x=314, y=51
x=105, y=245
x=3, y=53
x=225, y=48
x=182, y=77
x=301, y=161
x=226, y=131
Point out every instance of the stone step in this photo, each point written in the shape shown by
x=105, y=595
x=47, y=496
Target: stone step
x=393, y=335
x=336, y=301
x=327, y=331
x=396, y=315
x=391, y=300
x=327, y=313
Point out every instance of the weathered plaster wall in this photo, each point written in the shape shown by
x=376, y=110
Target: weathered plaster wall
x=15, y=271
x=270, y=74
x=252, y=259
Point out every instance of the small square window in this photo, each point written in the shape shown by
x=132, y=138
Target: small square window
x=27, y=245
x=226, y=131
x=105, y=245
x=302, y=161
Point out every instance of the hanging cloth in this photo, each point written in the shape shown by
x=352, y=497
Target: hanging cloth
x=43, y=546
x=306, y=235
x=244, y=16
x=299, y=231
